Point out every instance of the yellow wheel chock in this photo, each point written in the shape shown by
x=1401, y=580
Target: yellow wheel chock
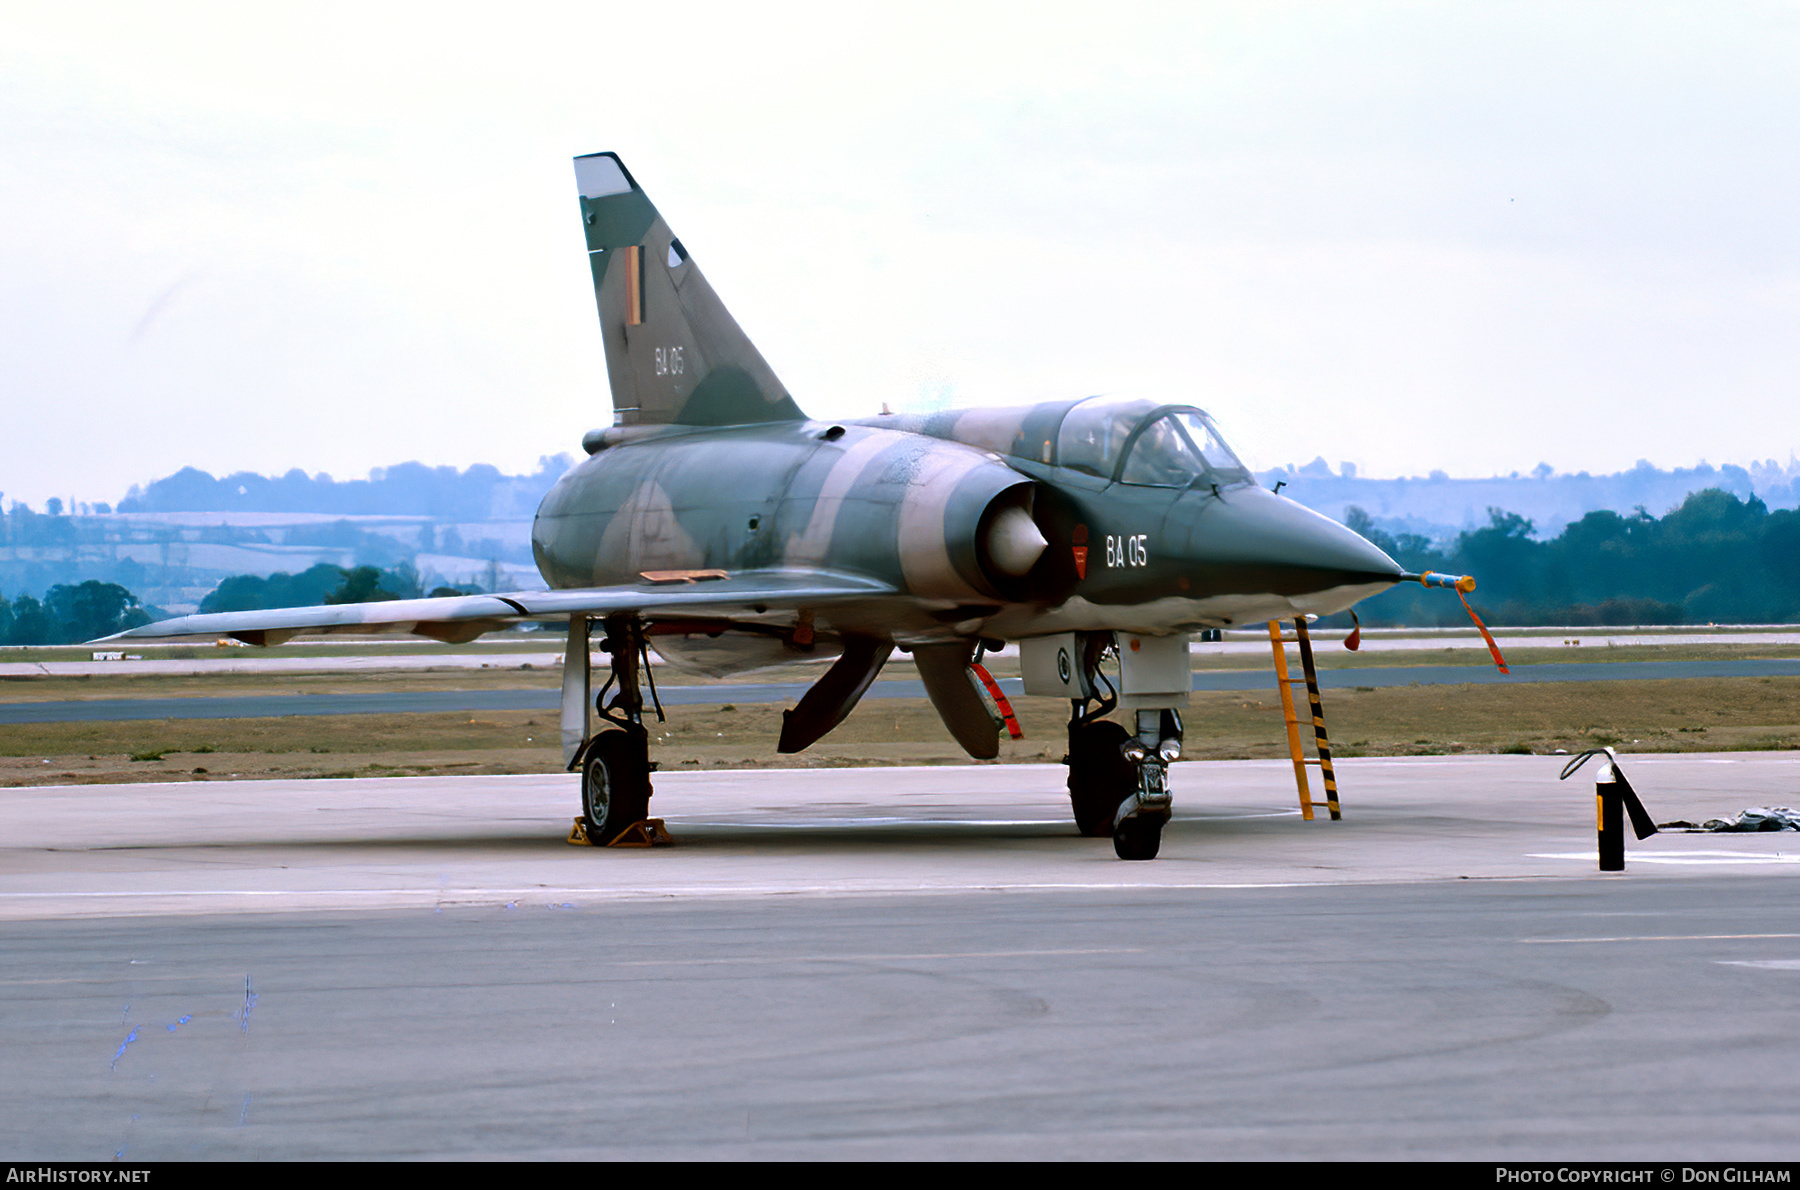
x=649, y=833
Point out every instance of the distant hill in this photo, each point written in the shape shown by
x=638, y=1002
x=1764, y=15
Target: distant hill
x=1439, y=507
x=1435, y=505
x=171, y=542
x=174, y=540
x=480, y=493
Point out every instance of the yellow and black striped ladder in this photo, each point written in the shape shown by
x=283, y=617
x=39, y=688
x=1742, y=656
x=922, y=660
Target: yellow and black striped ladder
x=1321, y=742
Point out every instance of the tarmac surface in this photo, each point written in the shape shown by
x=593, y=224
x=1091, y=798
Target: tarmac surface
x=709, y=694
x=922, y=962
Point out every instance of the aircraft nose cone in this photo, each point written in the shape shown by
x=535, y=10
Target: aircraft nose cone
x=1320, y=543
x=1257, y=542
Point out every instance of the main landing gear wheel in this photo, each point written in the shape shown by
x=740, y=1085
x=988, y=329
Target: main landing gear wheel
x=1138, y=838
x=1100, y=778
x=615, y=784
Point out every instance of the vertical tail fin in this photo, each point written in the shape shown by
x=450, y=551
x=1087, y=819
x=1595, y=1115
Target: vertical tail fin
x=674, y=354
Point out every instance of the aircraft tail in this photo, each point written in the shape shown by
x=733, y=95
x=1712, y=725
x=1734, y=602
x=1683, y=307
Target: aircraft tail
x=674, y=354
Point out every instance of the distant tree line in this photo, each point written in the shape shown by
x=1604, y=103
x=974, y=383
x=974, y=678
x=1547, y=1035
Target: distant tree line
x=24, y=527
x=76, y=612
x=69, y=614
x=1715, y=559
x=319, y=584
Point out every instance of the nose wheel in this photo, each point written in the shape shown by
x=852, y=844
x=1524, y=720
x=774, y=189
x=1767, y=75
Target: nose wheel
x=1138, y=838
x=1137, y=831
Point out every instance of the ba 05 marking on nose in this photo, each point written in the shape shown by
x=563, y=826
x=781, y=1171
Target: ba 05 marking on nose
x=1128, y=551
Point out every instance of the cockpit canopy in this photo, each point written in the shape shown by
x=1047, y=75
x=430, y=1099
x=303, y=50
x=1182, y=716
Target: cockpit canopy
x=1142, y=442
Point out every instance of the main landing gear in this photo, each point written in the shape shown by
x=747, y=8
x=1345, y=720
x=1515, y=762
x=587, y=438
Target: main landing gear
x=615, y=782
x=614, y=761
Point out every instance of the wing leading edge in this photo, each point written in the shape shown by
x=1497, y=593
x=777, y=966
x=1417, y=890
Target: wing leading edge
x=462, y=618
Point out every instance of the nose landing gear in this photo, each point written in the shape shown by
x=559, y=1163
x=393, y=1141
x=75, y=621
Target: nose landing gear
x=1119, y=781
x=1139, y=822
x=1119, y=787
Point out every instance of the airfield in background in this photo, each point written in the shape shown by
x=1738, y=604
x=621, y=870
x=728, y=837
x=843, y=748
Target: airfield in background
x=408, y=708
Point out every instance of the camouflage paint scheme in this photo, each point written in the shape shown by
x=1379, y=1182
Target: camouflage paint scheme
x=711, y=465
x=742, y=534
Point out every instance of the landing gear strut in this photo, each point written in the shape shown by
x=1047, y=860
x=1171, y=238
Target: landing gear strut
x=614, y=762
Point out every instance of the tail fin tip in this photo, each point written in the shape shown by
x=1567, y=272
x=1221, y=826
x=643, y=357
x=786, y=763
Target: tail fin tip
x=600, y=175
x=674, y=354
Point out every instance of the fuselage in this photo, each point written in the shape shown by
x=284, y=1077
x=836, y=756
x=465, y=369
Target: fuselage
x=1149, y=524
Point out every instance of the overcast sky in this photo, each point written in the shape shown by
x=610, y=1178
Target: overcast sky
x=1460, y=236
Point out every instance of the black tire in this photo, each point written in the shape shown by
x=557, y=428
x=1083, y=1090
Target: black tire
x=1100, y=778
x=615, y=784
x=1138, y=838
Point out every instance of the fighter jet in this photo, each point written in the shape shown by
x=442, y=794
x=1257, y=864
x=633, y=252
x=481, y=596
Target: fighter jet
x=717, y=520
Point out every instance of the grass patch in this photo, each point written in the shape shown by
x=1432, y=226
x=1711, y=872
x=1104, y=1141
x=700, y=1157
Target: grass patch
x=1536, y=718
